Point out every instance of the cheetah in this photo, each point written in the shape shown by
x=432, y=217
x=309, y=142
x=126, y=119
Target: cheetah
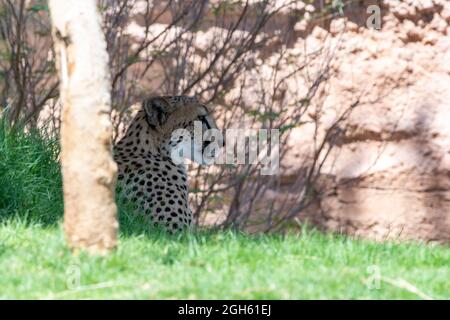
x=148, y=175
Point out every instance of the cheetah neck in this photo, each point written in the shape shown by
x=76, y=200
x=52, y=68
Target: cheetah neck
x=140, y=146
x=140, y=140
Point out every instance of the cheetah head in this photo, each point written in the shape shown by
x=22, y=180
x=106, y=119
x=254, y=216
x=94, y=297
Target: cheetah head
x=186, y=126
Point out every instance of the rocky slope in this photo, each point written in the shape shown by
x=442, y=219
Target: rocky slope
x=393, y=168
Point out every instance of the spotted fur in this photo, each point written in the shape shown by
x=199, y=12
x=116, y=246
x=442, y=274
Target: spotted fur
x=147, y=174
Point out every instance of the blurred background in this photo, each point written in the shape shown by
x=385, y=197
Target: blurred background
x=363, y=112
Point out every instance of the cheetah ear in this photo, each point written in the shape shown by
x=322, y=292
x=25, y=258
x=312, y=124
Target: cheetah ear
x=156, y=110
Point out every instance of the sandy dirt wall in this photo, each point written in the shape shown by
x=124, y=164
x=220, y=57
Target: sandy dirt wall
x=393, y=168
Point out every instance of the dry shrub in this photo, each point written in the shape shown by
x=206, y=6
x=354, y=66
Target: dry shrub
x=240, y=57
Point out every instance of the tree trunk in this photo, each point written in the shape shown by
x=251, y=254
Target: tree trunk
x=89, y=172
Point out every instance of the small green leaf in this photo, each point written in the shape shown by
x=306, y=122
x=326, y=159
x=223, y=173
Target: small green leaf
x=38, y=7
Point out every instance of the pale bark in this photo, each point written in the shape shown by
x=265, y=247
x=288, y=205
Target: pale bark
x=89, y=172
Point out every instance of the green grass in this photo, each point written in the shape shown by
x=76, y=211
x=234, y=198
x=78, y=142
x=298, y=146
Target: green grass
x=150, y=264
